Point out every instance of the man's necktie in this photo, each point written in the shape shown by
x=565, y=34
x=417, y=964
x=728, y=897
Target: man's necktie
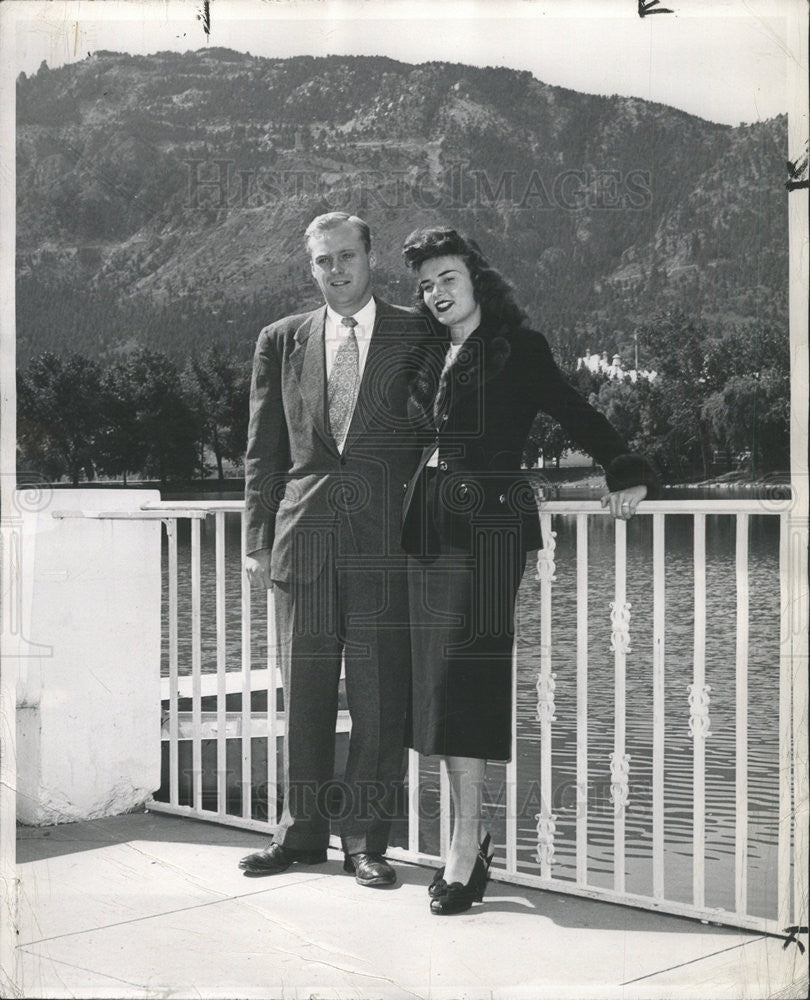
x=343, y=381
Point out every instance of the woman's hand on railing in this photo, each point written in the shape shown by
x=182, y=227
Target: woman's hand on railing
x=623, y=503
x=257, y=567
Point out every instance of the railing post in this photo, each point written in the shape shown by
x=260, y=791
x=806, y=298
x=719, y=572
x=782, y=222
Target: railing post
x=174, y=694
x=222, y=735
x=741, y=739
x=247, y=686
x=196, y=669
x=546, y=820
x=582, y=699
x=699, y=714
x=413, y=801
x=787, y=750
x=620, y=761
x=272, y=711
x=659, y=692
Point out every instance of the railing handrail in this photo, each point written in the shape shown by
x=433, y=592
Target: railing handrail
x=763, y=505
x=143, y=514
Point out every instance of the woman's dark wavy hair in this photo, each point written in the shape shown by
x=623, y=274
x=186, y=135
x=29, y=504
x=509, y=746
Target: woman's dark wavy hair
x=492, y=291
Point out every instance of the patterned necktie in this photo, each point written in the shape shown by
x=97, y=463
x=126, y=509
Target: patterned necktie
x=341, y=388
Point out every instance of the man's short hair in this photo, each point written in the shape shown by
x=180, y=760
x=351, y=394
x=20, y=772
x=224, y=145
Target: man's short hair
x=332, y=219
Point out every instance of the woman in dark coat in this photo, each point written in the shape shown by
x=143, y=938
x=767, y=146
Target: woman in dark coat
x=470, y=516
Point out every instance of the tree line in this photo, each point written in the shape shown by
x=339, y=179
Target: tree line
x=141, y=417
x=720, y=400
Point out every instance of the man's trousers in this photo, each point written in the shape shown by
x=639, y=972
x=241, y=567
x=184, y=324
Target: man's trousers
x=360, y=611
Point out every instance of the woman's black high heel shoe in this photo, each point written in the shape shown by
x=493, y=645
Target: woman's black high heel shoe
x=434, y=888
x=457, y=897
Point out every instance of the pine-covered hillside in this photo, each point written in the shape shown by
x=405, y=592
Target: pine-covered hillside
x=161, y=199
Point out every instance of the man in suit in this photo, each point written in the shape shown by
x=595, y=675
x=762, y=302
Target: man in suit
x=329, y=455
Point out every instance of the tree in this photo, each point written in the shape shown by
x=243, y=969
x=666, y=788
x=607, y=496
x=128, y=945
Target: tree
x=59, y=416
x=546, y=438
x=166, y=421
x=680, y=352
x=717, y=386
x=122, y=445
x=748, y=412
x=649, y=416
x=749, y=418
x=218, y=387
x=622, y=402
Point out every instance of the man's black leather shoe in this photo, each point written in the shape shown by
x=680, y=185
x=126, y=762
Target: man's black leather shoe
x=276, y=858
x=369, y=869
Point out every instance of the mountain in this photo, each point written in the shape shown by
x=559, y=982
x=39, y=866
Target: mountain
x=162, y=198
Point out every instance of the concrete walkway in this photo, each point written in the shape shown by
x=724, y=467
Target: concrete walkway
x=154, y=906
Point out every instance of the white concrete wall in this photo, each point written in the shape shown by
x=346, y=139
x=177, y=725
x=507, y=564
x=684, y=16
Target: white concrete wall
x=88, y=693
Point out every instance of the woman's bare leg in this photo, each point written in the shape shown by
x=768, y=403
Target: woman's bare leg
x=466, y=776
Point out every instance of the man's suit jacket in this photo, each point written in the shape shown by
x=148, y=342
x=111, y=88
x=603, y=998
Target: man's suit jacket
x=303, y=498
x=493, y=390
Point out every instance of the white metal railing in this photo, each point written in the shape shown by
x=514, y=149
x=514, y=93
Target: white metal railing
x=262, y=729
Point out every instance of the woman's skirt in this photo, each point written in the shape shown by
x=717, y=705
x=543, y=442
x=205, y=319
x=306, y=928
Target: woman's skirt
x=462, y=608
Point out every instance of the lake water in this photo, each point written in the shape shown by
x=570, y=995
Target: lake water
x=720, y=675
